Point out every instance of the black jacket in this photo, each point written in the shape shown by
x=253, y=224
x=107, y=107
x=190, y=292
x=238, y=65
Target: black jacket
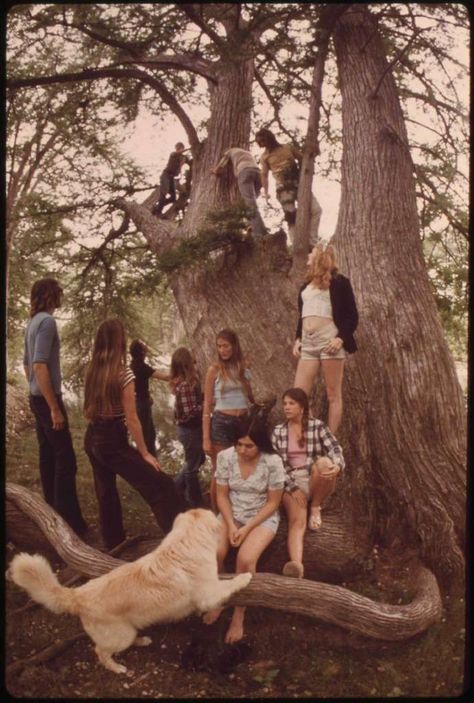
x=344, y=311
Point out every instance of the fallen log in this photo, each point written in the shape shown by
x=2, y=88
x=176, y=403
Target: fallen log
x=326, y=602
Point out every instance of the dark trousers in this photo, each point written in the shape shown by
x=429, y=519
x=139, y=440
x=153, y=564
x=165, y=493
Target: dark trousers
x=57, y=463
x=148, y=428
x=187, y=480
x=167, y=192
x=106, y=445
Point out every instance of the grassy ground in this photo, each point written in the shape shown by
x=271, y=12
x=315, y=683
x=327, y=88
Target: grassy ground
x=289, y=657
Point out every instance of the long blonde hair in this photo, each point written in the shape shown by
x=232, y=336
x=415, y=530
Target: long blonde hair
x=233, y=368
x=322, y=267
x=103, y=391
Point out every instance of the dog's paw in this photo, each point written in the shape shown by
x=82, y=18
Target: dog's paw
x=117, y=668
x=244, y=579
x=142, y=641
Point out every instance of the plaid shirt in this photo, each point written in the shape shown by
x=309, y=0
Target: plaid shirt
x=188, y=405
x=319, y=442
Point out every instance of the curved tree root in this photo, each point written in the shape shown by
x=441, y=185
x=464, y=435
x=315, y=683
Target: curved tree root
x=326, y=602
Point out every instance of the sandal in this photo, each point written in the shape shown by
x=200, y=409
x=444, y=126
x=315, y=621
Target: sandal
x=315, y=521
x=293, y=569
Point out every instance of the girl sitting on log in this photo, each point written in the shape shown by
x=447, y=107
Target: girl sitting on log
x=227, y=398
x=327, y=320
x=186, y=386
x=312, y=458
x=109, y=406
x=250, y=479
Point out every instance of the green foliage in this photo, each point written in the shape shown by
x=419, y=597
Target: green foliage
x=223, y=227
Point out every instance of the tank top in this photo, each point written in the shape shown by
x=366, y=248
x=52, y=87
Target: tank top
x=316, y=301
x=230, y=395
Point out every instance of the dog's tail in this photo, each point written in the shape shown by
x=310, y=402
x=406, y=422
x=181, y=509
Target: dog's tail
x=33, y=573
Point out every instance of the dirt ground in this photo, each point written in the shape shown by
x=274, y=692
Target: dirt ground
x=286, y=656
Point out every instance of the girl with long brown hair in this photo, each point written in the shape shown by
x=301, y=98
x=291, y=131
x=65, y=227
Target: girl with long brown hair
x=186, y=386
x=324, y=335
x=227, y=398
x=312, y=458
x=109, y=406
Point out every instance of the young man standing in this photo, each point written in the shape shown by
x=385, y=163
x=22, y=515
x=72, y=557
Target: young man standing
x=57, y=461
x=176, y=160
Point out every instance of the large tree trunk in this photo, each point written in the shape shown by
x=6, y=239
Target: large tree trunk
x=404, y=416
x=404, y=426
x=329, y=603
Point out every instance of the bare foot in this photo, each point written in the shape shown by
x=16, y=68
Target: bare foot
x=294, y=569
x=315, y=522
x=235, y=632
x=211, y=616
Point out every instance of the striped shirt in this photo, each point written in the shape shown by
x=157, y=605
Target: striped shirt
x=319, y=442
x=126, y=377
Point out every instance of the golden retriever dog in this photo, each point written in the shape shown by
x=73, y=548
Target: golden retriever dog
x=178, y=578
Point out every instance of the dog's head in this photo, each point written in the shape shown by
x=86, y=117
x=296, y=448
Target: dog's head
x=197, y=518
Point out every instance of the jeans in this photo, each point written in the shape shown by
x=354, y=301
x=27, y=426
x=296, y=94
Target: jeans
x=148, y=428
x=249, y=184
x=187, y=480
x=226, y=429
x=106, y=445
x=57, y=463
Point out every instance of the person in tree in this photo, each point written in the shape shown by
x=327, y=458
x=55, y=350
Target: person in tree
x=247, y=173
x=186, y=386
x=250, y=479
x=109, y=407
x=176, y=160
x=312, y=458
x=284, y=160
x=41, y=361
x=228, y=396
x=143, y=372
x=327, y=320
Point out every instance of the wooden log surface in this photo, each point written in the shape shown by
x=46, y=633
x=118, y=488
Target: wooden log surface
x=326, y=602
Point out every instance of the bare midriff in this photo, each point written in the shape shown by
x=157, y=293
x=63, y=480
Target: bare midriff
x=236, y=413
x=314, y=322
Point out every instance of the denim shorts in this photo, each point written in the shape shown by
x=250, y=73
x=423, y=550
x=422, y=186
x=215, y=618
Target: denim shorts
x=271, y=523
x=226, y=429
x=313, y=343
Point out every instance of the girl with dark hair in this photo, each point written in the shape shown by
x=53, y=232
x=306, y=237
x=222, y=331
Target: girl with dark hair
x=186, y=386
x=324, y=336
x=312, y=458
x=109, y=406
x=143, y=372
x=227, y=398
x=250, y=479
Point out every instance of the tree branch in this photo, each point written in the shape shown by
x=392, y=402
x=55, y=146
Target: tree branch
x=395, y=60
x=119, y=73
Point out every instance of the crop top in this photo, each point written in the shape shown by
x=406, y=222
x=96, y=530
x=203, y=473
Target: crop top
x=230, y=395
x=316, y=301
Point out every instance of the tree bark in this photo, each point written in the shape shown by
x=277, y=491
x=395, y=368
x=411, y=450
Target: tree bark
x=404, y=414
x=332, y=604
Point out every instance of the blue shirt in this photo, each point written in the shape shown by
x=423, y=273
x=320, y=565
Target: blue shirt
x=42, y=345
x=230, y=394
